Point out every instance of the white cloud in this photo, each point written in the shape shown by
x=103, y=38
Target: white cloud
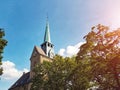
x=10, y=72
x=70, y=50
x=61, y=52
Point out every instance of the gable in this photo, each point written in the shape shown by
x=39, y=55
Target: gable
x=37, y=50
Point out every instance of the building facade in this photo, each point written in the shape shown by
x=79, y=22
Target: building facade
x=39, y=54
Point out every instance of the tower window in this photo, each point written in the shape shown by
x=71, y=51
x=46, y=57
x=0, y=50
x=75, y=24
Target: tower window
x=48, y=44
x=51, y=46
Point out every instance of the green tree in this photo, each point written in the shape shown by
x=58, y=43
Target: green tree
x=62, y=74
x=102, y=51
x=3, y=43
x=80, y=77
x=53, y=75
x=40, y=78
x=59, y=72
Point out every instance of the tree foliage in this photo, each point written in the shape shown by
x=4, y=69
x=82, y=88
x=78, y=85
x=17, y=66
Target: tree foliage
x=53, y=75
x=3, y=43
x=102, y=51
x=81, y=76
x=61, y=75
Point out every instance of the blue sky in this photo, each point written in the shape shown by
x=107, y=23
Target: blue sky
x=24, y=24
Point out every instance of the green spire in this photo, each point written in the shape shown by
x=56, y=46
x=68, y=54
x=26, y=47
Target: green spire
x=47, y=32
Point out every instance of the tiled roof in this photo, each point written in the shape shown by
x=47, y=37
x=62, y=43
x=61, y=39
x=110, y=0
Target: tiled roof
x=40, y=51
x=24, y=79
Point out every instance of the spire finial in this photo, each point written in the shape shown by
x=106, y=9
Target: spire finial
x=47, y=16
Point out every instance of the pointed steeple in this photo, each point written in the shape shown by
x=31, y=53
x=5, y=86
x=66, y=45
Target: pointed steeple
x=47, y=33
x=47, y=46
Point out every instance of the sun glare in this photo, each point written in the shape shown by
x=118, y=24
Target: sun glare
x=113, y=16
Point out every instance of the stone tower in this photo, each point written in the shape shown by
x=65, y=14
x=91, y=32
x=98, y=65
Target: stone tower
x=39, y=55
x=43, y=53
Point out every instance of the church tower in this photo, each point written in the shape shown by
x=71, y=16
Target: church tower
x=38, y=56
x=47, y=46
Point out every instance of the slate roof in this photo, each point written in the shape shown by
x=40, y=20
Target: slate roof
x=24, y=79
